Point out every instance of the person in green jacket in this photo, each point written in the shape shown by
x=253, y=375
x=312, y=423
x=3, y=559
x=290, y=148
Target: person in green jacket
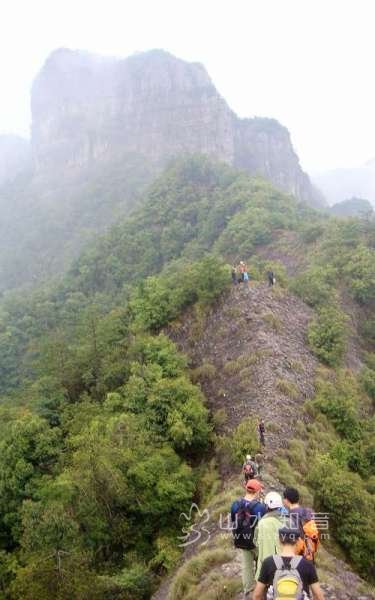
x=266, y=536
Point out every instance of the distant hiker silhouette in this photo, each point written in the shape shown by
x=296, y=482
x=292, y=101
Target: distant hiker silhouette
x=271, y=278
x=262, y=431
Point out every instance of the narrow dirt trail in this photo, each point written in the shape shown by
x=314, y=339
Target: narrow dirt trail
x=256, y=340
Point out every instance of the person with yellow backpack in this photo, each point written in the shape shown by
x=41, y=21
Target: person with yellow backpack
x=287, y=576
x=301, y=518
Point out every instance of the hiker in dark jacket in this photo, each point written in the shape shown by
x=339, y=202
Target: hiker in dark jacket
x=297, y=513
x=245, y=514
x=287, y=565
x=302, y=518
x=271, y=278
x=262, y=430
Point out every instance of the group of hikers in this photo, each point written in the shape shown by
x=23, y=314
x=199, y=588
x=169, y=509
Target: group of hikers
x=240, y=274
x=277, y=538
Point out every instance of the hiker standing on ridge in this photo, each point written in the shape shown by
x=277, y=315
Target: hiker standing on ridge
x=266, y=534
x=245, y=514
x=246, y=277
x=271, y=278
x=242, y=268
x=301, y=518
x=291, y=576
x=262, y=431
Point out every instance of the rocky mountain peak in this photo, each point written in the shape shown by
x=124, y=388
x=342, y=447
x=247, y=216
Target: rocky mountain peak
x=153, y=106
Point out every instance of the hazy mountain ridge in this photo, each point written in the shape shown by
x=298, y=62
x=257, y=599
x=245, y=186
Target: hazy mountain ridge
x=102, y=130
x=342, y=184
x=87, y=108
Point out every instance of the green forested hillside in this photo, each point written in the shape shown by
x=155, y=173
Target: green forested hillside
x=46, y=219
x=103, y=432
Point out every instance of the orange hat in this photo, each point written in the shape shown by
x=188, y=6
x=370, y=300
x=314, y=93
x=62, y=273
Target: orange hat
x=253, y=485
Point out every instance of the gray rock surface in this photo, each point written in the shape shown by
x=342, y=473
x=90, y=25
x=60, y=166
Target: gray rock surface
x=88, y=108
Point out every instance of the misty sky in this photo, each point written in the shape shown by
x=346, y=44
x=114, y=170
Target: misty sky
x=308, y=63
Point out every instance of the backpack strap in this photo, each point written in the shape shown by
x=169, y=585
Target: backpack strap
x=295, y=562
x=277, y=559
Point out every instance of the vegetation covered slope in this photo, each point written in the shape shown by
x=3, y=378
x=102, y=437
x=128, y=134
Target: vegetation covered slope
x=47, y=219
x=99, y=409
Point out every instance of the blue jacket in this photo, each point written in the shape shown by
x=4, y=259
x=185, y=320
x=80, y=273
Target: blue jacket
x=259, y=509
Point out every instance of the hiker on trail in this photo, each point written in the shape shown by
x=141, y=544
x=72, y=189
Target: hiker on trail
x=302, y=518
x=249, y=468
x=291, y=576
x=246, y=277
x=262, y=431
x=234, y=275
x=266, y=534
x=242, y=268
x=271, y=278
x=245, y=514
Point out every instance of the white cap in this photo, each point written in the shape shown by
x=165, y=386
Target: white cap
x=273, y=500
x=248, y=457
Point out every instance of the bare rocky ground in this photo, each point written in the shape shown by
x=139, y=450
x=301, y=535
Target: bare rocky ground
x=256, y=341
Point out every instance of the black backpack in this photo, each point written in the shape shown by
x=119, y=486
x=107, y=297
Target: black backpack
x=249, y=471
x=244, y=527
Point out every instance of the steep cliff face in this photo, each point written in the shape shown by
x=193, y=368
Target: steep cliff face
x=15, y=156
x=86, y=108
x=263, y=146
x=154, y=106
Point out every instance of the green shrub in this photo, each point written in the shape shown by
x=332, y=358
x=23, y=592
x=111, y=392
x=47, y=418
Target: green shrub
x=311, y=232
x=273, y=321
x=351, y=509
x=219, y=417
x=288, y=388
x=367, y=330
x=315, y=285
x=235, y=366
x=132, y=584
x=204, y=372
x=367, y=379
x=327, y=336
x=360, y=274
x=296, y=452
x=338, y=399
x=159, y=300
x=244, y=440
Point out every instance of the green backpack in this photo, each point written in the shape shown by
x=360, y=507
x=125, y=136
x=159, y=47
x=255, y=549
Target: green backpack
x=287, y=582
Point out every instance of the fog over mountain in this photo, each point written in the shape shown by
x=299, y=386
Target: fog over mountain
x=341, y=184
x=102, y=130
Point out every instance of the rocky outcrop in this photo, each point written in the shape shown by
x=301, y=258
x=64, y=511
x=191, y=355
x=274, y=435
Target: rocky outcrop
x=15, y=156
x=154, y=106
